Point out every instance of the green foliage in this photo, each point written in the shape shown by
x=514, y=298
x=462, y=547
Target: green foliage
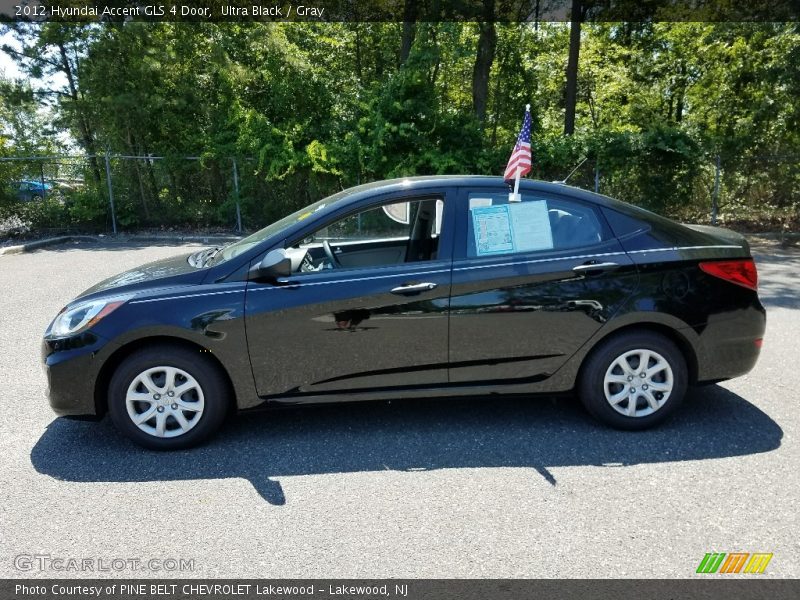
x=306, y=109
x=406, y=133
x=49, y=213
x=656, y=168
x=86, y=208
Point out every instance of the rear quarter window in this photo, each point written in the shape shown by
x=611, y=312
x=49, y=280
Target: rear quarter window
x=623, y=225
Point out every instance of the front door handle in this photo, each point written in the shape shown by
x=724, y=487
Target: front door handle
x=413, y=288
x=595, y=268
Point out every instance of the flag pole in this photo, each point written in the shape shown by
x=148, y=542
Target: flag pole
x=516, y=185
x=515, y=197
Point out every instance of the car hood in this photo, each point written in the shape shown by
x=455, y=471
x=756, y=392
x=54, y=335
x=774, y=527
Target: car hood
x=163, y=273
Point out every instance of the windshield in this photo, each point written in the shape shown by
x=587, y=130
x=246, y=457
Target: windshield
x=243, y=245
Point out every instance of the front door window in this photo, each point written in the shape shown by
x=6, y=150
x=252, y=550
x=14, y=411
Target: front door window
x=389, y=234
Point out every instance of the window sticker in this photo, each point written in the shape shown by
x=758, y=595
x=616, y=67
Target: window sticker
x=479, y=202
x=530, y=225
x=506, y=228
x=492, y=229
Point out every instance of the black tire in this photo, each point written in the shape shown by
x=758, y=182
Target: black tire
x=592, y=390
x=212, y=384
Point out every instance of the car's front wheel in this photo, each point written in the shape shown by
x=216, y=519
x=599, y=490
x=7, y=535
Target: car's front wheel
x=634, y=380
x=167, y=397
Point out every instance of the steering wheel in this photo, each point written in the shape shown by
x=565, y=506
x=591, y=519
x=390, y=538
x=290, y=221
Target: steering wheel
x=331, y=256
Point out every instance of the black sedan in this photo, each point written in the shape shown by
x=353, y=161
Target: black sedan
x=427, y=286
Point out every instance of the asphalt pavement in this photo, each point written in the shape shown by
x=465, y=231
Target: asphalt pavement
x=445, y=488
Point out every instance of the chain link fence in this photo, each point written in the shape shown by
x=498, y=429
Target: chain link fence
x=759, y=193
x=114, y=192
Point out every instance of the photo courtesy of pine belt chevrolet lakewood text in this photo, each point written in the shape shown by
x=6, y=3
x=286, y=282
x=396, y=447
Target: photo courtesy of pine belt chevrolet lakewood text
x=420, y=287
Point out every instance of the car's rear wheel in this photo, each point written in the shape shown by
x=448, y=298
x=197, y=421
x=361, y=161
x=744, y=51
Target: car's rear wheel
x=634, y=380
x=167, y=397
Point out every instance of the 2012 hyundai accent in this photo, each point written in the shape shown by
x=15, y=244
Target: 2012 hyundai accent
x=428, y=286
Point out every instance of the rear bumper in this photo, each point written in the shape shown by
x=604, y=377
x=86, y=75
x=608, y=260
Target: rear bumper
x=731, y=345
x=72, y=366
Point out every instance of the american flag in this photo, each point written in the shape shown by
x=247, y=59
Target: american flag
x=521, y=156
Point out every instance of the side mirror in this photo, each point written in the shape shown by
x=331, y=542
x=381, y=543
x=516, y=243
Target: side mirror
x=274, y=265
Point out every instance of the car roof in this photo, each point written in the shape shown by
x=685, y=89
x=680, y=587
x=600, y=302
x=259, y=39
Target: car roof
x=433, y=181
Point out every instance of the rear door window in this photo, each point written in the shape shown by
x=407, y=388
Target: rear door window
x=496, y=226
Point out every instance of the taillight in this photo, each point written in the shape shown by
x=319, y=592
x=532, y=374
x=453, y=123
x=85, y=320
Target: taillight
x=741, y=272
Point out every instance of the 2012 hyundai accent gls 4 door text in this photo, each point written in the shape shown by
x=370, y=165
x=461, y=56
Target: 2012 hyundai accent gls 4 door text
x=420, y=287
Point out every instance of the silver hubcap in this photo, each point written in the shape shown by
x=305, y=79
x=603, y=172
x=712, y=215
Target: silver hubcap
x=638, y=383
x=165, y=402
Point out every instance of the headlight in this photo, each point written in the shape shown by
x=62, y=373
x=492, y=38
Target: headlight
x=84, y=315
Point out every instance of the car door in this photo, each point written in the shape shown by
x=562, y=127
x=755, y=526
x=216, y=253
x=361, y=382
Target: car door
x=377, y=320
x=532, y=282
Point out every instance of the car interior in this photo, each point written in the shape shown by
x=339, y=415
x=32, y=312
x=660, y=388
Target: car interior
x=572, y=229
x=408, y=232
x=378, y=236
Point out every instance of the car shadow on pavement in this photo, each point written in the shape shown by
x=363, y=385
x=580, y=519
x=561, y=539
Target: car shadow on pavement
x=408, y=436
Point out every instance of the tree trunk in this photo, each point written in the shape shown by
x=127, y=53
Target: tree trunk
x=151, y=176
x=680, y=93
x=409, y=30
x=572, y=67
x=498, y=97
x=434, y=34
x=358, y=54
x=134, y=150
x=142, y=193
x=83, y=125
x=487, y=41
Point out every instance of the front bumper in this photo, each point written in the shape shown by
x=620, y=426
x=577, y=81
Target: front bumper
x=72, y=366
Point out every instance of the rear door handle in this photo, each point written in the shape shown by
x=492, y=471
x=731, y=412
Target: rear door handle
x=590, y=268
x=413, y=288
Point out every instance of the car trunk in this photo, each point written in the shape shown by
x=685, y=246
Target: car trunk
x=722, y=236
